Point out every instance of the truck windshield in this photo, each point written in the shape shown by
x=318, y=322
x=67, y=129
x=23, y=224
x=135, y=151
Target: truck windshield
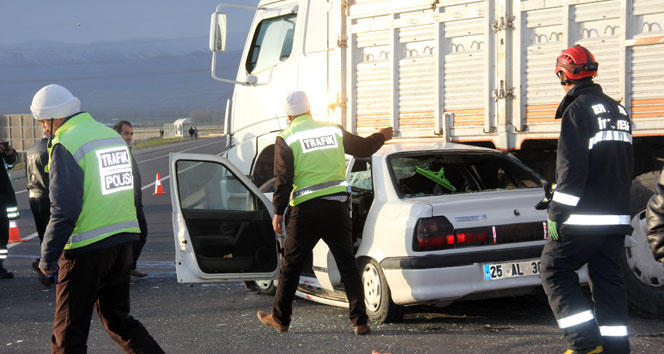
x=437, y=173
x=272, y=43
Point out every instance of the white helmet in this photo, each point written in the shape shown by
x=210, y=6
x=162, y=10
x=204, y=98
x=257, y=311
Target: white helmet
x=54, y=101
x=296, y=103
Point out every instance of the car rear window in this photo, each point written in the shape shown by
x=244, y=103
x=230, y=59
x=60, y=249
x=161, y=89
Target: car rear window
x=436, y=173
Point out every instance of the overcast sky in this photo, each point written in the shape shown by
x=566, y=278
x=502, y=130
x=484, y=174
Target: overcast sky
x=88, y=21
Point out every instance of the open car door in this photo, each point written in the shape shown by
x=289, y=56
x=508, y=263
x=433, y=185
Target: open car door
x=222, y=223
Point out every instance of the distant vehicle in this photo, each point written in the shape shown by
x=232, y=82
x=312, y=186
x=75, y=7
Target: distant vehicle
x=432, y=223
x=478, y=72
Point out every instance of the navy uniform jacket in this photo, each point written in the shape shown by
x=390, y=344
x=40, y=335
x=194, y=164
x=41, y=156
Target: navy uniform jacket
x=594, y=163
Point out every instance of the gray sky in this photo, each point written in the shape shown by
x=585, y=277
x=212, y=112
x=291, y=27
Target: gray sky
x=87, y=21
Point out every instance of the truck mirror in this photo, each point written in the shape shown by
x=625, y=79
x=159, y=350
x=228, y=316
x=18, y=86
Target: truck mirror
x=218, y=32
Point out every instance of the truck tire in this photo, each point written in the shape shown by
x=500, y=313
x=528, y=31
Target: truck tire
x=643, y=275
x=377, y=297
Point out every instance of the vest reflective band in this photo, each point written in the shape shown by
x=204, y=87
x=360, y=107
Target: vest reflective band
x=12, y=212
x=578, y=219
x=564, y=198
x=108, y=184
x=318, y=157
x=609, y=135
x=576, y=319
x=318, y=187
x=3, y=254
x=613, y=331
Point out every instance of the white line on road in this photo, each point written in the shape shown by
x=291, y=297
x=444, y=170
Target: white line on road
x=154, y=158
x=195, y=147
x=30, y=237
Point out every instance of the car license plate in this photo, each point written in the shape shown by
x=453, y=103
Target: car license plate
x=511, y=269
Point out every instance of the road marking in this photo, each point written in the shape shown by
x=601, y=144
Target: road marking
x=195, y=147
x=30, y=237
x=154, y=158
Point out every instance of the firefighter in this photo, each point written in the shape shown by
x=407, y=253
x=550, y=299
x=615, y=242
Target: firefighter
x=310, y=171
x=589, y=215
x=87, y=244
x=8, y=205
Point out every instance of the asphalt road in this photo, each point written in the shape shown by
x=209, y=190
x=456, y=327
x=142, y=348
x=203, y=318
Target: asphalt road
x=221, y=317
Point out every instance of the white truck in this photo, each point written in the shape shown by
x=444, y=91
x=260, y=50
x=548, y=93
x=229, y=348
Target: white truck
x=477, y=72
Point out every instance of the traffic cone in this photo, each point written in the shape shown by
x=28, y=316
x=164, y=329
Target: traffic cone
x=14, y=235
x=158, y=189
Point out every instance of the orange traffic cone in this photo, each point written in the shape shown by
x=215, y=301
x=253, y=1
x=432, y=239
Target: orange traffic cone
x=158, y=189
x=14, y=235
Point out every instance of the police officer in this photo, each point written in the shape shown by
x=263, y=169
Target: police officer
x=37, y=186
x=8, y=206
x=309, y=166
x=126, y=131
x=92, y=226
x=589, y=213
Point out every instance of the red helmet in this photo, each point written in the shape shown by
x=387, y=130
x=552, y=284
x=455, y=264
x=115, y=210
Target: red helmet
x=576, y=62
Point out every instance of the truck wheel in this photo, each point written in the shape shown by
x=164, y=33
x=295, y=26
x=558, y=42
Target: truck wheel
x=644, y=276
x=377, y=298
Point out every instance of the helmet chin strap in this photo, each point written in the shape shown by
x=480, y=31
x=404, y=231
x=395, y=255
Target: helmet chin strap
x=50, y=136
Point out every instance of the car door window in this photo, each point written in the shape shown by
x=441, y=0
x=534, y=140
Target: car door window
x=272, y=43
x=229, y=228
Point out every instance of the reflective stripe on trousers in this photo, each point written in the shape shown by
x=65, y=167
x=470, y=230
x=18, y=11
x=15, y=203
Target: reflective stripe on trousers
x=613, y=331
x=575, y=319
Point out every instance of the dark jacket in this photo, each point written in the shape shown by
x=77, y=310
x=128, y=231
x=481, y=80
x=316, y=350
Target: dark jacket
x=7, y=197
x=284, y=168
x=655, y=221
x=594, y=163
x=138, y=196
x=37, y=159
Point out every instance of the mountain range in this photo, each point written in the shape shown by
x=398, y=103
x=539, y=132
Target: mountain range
x=135, y=80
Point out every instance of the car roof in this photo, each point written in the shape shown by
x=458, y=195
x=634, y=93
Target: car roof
x=414, y=145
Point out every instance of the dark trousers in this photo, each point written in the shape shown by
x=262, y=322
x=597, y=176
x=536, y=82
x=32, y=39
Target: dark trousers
x=137, y=247
x=41, y=212
x=100, y=280
x=4, y=234
x=560, y=261
x=309, y=222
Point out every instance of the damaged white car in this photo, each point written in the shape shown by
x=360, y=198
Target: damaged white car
x=432, y=223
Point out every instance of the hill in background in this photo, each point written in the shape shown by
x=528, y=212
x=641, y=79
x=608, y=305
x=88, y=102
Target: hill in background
x=139, y=80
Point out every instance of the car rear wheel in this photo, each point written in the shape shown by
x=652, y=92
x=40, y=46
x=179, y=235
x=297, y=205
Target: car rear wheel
x=644, y=276
x=377, y=297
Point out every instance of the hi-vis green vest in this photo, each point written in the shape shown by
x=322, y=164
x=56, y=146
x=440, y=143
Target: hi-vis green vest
x=318, y=156
x=108, y=184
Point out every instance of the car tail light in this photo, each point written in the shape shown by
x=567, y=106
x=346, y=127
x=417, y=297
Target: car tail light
x=438, y=233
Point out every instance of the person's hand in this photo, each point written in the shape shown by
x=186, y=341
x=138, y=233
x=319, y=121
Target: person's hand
x=387, y=132
x=46, y=277
x=47, y=272
x=551, y=227
x=276, y=223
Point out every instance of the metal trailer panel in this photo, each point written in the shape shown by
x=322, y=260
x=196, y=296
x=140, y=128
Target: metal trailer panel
x=478, y=70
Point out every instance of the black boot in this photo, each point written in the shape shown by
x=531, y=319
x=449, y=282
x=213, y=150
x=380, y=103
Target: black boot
x=4, y=274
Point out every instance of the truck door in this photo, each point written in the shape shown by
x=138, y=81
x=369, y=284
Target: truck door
x=222, y=223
